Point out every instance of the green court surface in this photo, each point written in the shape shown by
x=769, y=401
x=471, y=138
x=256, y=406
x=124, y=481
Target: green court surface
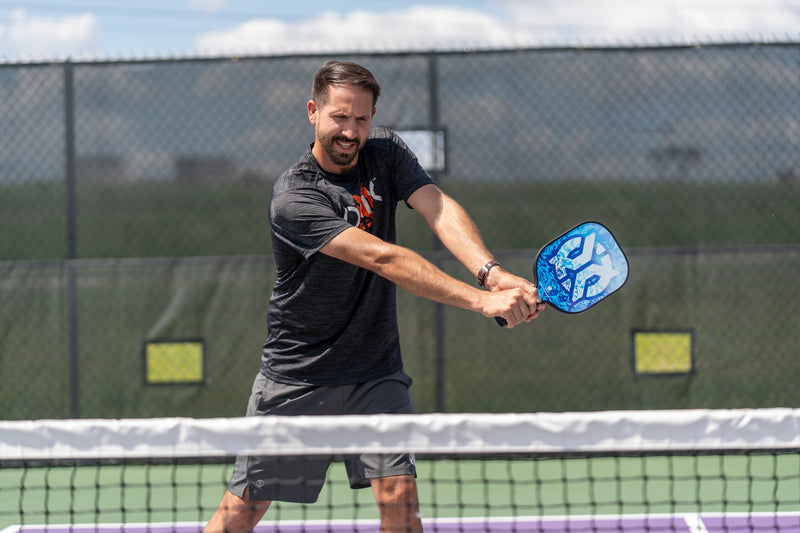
x=448, y=489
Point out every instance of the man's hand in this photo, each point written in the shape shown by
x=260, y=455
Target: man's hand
x=528, y=307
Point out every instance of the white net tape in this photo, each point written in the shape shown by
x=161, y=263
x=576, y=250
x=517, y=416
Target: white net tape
x=668, y=430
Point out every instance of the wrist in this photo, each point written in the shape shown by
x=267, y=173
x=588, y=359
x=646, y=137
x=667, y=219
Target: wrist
x=483, y=273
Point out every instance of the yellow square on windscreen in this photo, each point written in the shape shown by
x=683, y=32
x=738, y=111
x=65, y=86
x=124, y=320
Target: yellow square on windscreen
x=662, y=352
x=174, y=362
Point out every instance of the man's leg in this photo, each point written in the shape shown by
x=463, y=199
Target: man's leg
x=398, y=504
x=236, y=514
x=242, y=514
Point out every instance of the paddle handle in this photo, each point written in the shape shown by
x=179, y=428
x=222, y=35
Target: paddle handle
x=502, y=321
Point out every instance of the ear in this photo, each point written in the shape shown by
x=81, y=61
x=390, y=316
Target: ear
x=312, y=112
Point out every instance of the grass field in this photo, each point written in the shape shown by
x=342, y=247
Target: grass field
x=734, y=294
x=208, y=219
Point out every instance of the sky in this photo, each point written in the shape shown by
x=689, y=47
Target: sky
x=35, y=30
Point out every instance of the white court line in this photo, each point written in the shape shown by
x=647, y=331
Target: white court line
x=695, y=523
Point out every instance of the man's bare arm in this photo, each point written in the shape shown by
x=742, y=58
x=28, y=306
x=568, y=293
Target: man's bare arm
x=448, y=220
x=419, y=276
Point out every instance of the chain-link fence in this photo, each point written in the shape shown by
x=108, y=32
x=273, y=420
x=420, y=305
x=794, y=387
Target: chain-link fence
x=135, y=259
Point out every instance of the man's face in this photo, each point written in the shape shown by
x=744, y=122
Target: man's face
x=341, y=127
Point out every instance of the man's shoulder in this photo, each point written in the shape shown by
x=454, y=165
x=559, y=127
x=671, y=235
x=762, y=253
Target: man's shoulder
x=383, y=138
x=384, y=142
x=299, y=175
x=382, y=133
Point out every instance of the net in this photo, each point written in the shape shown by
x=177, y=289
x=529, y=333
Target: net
x=694, y=471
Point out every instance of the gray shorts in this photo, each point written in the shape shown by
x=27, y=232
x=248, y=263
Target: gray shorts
x=300, y=478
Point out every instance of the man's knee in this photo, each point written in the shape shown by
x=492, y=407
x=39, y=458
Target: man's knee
x=396, y=489
x=398, y=504
x=236, y=514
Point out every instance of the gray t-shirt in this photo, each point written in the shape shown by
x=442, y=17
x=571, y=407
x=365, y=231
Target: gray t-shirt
x=332, y=323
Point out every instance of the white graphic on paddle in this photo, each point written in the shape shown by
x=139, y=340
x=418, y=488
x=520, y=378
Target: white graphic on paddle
x=586, y=271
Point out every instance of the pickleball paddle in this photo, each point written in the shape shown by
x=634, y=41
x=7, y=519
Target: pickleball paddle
x=579, y=269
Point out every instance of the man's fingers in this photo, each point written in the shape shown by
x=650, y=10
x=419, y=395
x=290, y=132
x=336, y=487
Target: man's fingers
x=527, y=307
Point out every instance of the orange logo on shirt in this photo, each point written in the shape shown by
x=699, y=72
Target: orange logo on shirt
x=365, y=205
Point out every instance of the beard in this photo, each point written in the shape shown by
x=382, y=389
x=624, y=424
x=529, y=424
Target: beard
x=338, y=158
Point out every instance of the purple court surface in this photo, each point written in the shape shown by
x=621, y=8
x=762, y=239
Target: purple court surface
x=678, y=523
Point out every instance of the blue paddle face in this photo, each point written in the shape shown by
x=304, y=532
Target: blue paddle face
x=580, y=268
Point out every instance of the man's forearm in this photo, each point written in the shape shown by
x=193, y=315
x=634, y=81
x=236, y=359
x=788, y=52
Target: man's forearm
x=404, y=267
x=454, y=227
x=417, y=275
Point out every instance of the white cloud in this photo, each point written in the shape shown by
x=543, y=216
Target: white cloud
x=22, y=34
x=513, y=23
x=674, y=20
x=418, y=27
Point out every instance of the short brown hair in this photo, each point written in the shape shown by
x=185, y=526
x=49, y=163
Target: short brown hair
x=343, y=73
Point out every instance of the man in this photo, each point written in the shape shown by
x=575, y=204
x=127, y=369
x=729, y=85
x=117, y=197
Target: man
x=333, y=345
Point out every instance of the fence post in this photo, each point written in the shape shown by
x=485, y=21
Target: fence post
x=438, y=310
x=72, y=275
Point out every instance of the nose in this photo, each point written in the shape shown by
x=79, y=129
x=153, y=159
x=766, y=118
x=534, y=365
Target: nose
x=350, y=129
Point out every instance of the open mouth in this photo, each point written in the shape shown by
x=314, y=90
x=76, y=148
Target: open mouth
x=341, y=150
x=346, y=145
